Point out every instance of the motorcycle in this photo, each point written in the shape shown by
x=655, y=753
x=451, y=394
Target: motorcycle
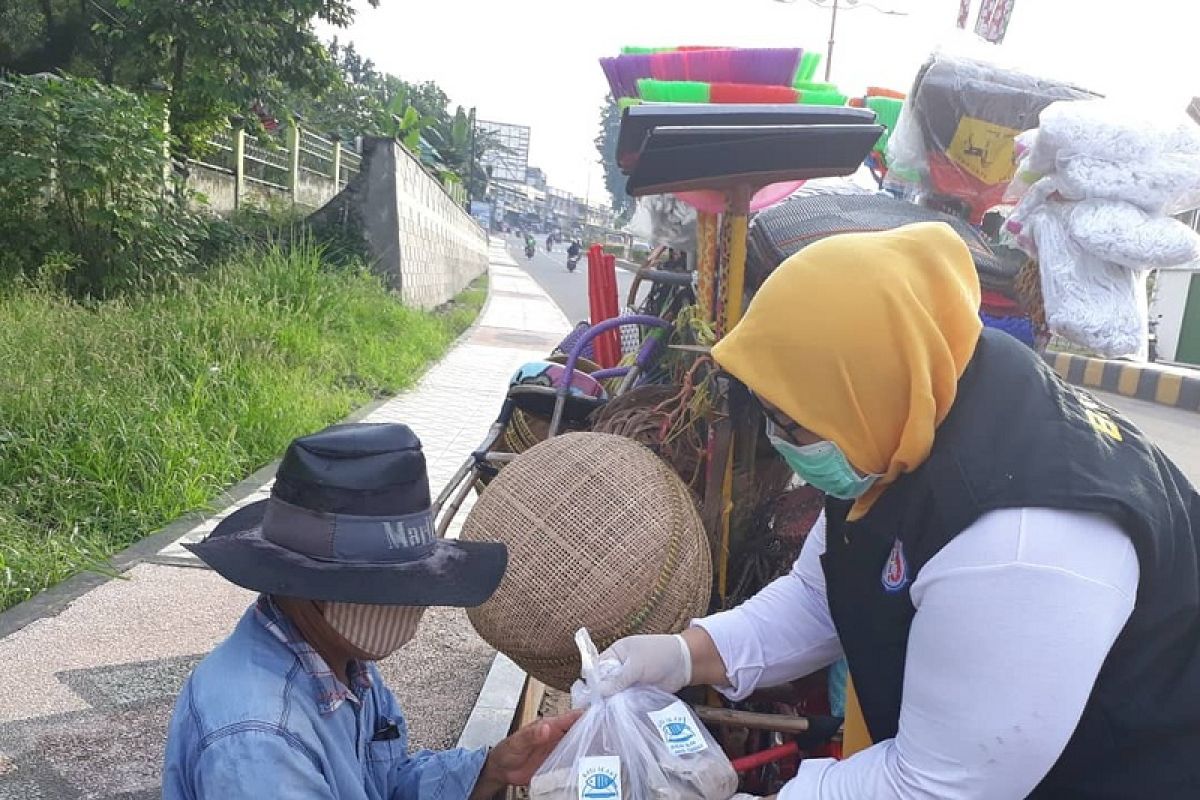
x=530, y=249
x=572, y=262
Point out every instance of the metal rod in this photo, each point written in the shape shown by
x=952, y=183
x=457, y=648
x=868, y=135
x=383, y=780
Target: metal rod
x=455, y=504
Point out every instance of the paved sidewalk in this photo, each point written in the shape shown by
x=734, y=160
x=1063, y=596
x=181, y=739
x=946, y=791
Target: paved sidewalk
x=85, y=695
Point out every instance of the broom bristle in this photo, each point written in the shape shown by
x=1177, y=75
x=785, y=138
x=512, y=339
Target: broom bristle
x=655, y=91
x=752, y=93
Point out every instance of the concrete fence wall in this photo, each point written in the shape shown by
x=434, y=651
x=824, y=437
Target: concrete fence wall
x=421, y=240
x=295, y=167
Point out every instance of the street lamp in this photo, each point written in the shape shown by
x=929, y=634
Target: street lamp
x=849, y=5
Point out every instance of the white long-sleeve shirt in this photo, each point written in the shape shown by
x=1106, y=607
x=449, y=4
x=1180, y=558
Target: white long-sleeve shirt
x=1014, y=618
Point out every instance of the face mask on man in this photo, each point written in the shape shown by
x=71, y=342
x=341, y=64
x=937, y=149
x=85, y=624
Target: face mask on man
x=376, y=631
x=823, y=465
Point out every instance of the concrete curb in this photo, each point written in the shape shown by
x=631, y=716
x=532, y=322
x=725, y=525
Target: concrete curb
x=492, y=717
x=1174, y=388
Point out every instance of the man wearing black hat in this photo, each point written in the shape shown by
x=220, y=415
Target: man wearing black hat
x=291, y=705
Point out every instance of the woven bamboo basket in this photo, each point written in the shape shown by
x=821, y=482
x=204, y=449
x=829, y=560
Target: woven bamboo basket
x=602, y=534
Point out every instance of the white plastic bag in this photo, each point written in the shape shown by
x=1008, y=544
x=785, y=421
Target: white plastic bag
x=639, y=744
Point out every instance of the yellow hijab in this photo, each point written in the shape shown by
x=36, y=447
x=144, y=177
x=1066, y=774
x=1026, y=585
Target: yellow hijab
x=861, y=338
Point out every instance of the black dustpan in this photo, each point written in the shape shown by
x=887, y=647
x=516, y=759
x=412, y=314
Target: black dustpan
x=675, y=159
x=638, y=121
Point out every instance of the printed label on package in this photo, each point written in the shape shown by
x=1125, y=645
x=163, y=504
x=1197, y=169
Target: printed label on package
x=600, y=778
x=678, y=729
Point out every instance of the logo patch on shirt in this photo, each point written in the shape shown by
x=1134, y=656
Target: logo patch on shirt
x=895, y=570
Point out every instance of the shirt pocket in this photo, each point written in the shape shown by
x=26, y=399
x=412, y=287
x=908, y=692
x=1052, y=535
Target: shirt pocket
x=384, y=748
x=388, y=750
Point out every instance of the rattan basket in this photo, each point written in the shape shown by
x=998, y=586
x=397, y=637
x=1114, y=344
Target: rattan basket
x=601, y=534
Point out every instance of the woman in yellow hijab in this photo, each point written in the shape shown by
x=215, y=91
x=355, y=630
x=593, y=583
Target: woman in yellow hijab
x=1011, y=570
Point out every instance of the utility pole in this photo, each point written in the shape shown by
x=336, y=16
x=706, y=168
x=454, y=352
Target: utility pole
x=850, y=5
x=832, y=29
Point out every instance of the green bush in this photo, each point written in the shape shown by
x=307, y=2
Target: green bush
x=82, y=183
x=117, y=417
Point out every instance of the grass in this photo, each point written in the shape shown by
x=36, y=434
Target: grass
x=119, y=417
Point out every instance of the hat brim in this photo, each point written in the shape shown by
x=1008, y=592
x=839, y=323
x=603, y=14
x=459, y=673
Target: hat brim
x=455, y=573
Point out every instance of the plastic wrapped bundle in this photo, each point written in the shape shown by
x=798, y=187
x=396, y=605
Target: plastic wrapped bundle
x=1110, y=131
x=1124, y=234
x=1089, y=301
x=1168, y=184
x=968, y=114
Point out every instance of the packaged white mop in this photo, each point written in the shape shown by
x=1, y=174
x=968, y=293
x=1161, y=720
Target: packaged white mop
x=638, y=744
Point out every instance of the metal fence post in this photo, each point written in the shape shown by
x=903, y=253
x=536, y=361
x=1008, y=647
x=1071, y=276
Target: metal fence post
x=294, y=161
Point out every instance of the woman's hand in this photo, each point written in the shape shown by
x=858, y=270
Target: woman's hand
x=665, y=662
x=514, y=760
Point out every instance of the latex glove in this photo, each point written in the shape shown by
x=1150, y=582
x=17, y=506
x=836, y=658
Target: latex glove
x=661, y=661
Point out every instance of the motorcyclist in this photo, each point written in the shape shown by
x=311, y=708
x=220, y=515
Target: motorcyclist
x=574, y=249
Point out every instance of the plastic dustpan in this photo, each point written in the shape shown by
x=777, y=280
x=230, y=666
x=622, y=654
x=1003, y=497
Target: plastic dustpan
x=638, y=121
x=678, y=159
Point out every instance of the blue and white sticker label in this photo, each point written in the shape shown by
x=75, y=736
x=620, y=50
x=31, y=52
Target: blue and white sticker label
x=600, y=778
x=678, y=729
x=895, y=571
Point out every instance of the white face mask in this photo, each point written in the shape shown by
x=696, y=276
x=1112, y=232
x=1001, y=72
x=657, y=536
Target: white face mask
x=377, y=631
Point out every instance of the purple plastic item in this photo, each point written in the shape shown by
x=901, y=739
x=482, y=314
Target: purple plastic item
x=577, y=333
x=573, y=357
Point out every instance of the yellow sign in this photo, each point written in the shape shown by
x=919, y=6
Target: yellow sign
x=984, y=149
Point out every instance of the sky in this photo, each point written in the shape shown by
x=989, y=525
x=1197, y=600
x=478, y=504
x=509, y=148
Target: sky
x=534, y=62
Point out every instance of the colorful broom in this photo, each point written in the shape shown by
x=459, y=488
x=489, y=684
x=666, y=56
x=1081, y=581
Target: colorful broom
x=760, y=66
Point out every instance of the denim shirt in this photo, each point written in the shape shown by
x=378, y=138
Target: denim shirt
x=263, y=717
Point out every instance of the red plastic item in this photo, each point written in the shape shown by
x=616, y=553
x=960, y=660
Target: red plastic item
x=950, y=180
x=764, y=757
x=879, y=91
x=602, y=302
x=998, y=304
x=751, y=93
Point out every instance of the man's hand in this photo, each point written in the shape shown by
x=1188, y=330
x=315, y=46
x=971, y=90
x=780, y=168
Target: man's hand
x=514, y=760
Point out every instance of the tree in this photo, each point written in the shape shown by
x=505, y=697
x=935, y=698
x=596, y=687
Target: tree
x=606, y=146
x=214, y=58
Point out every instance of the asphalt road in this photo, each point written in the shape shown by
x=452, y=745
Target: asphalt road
x=1176, y=432
x=568, y=289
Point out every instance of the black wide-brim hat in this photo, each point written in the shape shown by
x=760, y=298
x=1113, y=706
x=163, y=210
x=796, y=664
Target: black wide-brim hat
x=349, y=520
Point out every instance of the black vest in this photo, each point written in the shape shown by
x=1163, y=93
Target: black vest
x=1017, y=437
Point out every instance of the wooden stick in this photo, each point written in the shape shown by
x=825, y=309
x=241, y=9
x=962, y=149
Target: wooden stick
x=530, y=707
x=732, y=718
